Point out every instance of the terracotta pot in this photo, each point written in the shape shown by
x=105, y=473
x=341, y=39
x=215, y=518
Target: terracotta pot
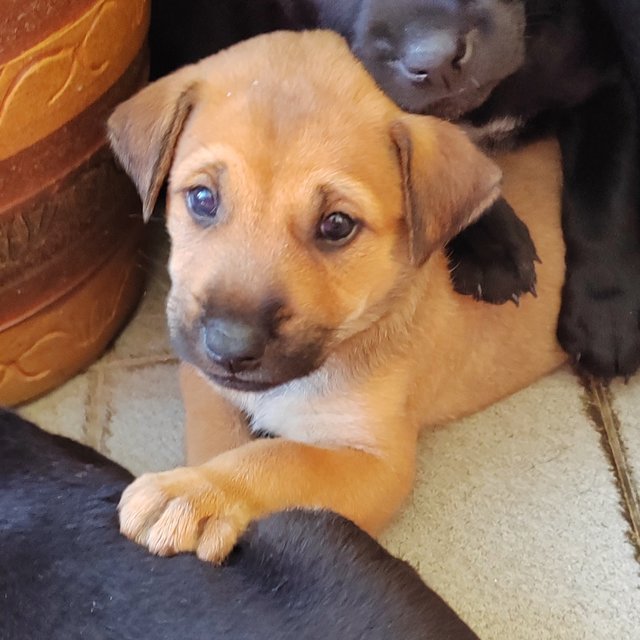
x=69, y=217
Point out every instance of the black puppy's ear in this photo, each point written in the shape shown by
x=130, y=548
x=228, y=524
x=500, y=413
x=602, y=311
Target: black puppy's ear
x=143, y=131
x=447, y=181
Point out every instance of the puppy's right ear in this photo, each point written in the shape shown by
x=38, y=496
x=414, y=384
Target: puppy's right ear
x=144, y=130
x=447, y=181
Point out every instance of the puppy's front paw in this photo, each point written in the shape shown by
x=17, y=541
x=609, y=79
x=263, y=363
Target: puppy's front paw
x=493, y=259
x=184, y=510
x=599, y=324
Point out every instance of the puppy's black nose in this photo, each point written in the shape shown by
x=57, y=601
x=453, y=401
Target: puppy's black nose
x=433, y=55
x=234, y=344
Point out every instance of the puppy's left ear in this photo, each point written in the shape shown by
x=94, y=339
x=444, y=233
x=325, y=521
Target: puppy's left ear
x=143, y=131
x=447, y=181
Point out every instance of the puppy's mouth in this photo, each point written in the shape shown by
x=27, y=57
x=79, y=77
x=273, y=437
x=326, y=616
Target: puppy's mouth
x=456, y=105
x=448, y=105
x=237, y=383
x=268, y=376
x=444, y=97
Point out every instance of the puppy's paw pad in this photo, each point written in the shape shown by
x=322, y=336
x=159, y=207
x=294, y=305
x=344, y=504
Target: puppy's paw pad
x=494, y=259
x=496, y=281
x=183, y=511
x=175, y=530
x=217, y=539
x=141, y=504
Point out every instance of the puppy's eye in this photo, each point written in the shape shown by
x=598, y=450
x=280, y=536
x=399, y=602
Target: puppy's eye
x=337, y=228
x=202, y=203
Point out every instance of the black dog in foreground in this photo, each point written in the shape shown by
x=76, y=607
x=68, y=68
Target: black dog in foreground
x=66, y=572
x=507, y=69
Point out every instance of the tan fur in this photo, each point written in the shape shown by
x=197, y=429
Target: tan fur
x=289, y=127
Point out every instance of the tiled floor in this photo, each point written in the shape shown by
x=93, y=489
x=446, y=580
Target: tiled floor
x=525, y=517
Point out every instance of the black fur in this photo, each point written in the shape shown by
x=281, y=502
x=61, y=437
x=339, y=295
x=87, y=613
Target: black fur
x=493, y=259
x=624, y=16
x=183, y=31
x=599, y=320
x=66, y=572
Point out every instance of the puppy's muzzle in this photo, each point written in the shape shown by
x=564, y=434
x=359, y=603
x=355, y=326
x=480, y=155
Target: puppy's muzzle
x=234, y=344
x=246, y=345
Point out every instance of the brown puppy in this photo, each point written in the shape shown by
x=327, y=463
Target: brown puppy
x=309, y=290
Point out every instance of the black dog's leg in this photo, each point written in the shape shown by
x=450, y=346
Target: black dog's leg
x=493, y=259
x=624, y=16
x=599, y=324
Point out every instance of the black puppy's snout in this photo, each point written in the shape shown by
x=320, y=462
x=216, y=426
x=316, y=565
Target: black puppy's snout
x=234, y=344
x=432, y=56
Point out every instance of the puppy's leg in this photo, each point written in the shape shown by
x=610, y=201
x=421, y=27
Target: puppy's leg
x=599, y=323
x=493, y=258
x=213, y=425
x=205, y=508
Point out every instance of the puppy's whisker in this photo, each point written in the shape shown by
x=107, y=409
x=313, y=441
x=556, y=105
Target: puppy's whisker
x=452, y=266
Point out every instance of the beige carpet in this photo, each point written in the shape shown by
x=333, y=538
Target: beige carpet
x=517, y=519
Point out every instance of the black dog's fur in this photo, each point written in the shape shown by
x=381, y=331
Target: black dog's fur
x=66, y=572
x=624, y=16
x=582, y=56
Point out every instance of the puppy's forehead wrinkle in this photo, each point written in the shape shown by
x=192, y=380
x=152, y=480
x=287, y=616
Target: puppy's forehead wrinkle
x=295, y=177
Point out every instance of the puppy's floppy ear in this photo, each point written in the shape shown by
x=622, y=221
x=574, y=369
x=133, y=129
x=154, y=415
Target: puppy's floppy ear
x=447, y=181
x=143, y=131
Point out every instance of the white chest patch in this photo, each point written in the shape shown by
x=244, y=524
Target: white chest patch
x=495, y=132
x=313, y=410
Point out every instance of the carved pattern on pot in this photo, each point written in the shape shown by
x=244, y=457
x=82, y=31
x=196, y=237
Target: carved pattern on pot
x=41, y=228
x=68, y=71
x=77, y=327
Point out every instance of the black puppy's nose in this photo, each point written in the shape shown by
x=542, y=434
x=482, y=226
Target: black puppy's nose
x=432, y=56
x=234, y=344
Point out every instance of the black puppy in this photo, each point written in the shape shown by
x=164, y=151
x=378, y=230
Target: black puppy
x=66, y=572
x=509, y=69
